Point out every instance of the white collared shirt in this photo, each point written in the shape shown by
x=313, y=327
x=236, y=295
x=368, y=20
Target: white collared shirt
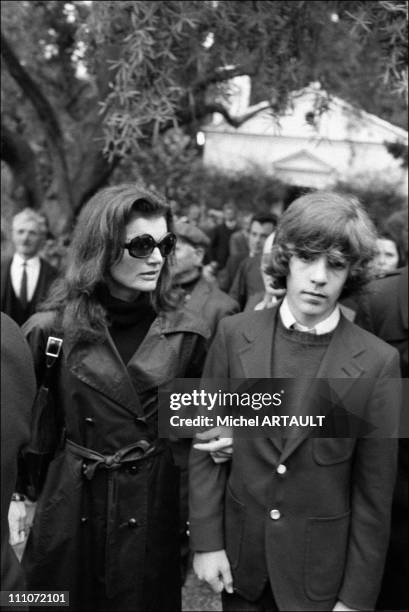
x=323, y=327
x=33, y=272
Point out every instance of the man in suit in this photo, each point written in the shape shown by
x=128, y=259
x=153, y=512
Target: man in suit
x=301, y=523
x=247, y=280
x=383, y=310
x=261, y=226
x=26, y=277
x=218, y=250
x=239, y=240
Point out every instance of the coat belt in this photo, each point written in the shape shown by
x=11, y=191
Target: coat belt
x=128, y=454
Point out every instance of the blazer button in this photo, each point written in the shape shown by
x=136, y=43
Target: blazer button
x=133, y=469
x=89, y=420
x=281, y=469
x=275, y=514
x=132, y=523
x=84, y=520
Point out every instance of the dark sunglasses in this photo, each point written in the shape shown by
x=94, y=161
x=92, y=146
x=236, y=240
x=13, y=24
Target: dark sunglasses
x=144, y=245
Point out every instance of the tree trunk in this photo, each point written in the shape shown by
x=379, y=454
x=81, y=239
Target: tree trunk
x=51, y=128
x=19, y=156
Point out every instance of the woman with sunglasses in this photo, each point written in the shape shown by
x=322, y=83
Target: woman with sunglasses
x=106, y=527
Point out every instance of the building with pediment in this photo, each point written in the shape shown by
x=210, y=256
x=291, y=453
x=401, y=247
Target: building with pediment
x=315, y=142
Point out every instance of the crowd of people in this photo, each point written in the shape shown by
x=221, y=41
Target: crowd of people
x=146, y=297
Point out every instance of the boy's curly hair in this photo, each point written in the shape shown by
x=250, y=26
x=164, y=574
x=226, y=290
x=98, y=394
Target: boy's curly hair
x=325, y=223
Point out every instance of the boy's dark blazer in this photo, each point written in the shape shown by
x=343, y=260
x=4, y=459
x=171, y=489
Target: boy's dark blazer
x=334, y=498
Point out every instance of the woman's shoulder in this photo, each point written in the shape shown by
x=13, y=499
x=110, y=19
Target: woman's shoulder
x=183, y=320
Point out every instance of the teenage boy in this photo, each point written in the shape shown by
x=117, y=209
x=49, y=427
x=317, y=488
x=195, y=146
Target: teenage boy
x=301, y=523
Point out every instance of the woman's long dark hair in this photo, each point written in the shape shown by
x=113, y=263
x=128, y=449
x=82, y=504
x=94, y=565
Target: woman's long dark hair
x=97, y=244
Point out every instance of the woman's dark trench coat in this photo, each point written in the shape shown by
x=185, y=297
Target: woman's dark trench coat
x=106, y=529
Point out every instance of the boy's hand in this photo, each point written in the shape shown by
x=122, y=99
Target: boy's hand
x=214, y=568
x=220, y=448
x=340, y=607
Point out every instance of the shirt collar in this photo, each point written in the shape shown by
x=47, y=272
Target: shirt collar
x=323, y=327
x=19, y=260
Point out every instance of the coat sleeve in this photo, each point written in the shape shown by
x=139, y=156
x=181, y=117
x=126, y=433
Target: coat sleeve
x=207, y=480
x=373, y=478
x=36, y=332
x=238, y=289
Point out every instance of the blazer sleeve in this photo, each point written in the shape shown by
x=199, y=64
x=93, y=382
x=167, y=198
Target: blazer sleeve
x=373, y=478
x=207, y=480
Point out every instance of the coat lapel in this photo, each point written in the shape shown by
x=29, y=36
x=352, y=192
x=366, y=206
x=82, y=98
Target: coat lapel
x=101, y=367
x=156, y=361
x=198, y=296
x=342, y=364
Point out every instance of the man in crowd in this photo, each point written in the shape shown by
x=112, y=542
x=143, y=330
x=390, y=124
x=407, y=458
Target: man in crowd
x=201, y=296
x=383, y=310
x=239, y=240
x=26, y=277
x=210, y=304
x=301, y=523
x=248, y=280
x=218, y=251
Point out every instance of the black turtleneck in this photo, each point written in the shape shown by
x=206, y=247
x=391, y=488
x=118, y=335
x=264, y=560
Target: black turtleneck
x=128, y=322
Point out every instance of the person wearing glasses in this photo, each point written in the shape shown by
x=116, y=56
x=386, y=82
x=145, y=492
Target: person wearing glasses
x=107, y=524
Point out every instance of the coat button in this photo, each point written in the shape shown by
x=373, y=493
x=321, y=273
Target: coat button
x=132, y=523
x=133, y=469
x=275, y=514
x=89, y=420
x=281, y=469
x=84, y=520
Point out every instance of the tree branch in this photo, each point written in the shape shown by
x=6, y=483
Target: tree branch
x=238, y=120
x=224, y=74
x=48, y=120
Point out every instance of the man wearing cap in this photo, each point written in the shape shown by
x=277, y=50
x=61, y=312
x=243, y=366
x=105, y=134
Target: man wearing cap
x=210, y=303
x=201, y=296
x=26, y=277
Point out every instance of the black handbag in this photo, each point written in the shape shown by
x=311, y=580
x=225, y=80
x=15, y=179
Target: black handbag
x=45, y=429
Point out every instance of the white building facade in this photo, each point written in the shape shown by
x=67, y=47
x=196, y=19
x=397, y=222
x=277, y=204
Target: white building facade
x=307, y=147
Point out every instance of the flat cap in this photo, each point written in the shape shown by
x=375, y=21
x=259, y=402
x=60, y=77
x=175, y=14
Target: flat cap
x=191, y=233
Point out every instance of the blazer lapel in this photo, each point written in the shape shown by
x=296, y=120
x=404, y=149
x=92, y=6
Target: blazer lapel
x=256, y=350
x=256, y=353
x=342, y=365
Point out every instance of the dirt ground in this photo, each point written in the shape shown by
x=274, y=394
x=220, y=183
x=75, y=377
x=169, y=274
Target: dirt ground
x=197, y=596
